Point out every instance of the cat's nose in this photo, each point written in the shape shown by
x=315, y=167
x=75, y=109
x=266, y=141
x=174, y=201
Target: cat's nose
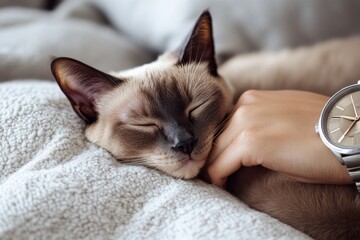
x=185, y=146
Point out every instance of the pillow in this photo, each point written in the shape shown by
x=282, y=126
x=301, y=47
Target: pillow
x=27, y=48
x=239, y=26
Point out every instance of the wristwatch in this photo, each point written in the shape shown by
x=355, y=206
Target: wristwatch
x=339, y=128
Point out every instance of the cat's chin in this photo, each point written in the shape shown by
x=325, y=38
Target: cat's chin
x=188, y=169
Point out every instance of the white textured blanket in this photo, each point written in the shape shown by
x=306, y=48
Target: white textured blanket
x=56, y=185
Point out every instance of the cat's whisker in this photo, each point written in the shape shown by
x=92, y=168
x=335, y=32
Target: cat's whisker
x=218, y=133
x=140, y=161
x=220, y=127
x=133, y=163
x=213, y=143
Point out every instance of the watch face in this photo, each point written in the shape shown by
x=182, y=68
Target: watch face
x=341, y=119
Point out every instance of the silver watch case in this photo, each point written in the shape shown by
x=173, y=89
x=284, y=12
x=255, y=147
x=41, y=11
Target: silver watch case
x=338, y=150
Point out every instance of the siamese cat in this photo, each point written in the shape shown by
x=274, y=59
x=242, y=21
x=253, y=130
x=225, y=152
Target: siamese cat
x=163, y=114
x=166, y=114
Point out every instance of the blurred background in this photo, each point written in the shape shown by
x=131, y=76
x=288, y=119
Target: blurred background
x=118, y=34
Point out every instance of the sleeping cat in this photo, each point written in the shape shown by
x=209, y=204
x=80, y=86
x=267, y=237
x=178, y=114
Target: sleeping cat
x=166, y=114
x=163, y=115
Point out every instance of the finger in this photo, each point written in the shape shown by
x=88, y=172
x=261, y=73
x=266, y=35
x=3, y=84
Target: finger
x=239, y=121
x=224, y=139
x=225, y=164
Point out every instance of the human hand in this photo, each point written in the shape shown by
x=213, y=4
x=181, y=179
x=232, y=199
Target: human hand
x=276, y=129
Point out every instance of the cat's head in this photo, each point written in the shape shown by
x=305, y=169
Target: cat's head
x=163, y=114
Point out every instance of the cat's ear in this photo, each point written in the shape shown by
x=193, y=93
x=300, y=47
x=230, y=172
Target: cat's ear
x=83, y=85
x=199, y=46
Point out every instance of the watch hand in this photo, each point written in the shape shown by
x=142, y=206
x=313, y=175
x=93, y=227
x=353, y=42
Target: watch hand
x=346, y=132
x=353, y=104
x=345, y=117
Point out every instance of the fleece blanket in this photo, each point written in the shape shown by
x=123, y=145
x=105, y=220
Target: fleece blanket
x=56, y=185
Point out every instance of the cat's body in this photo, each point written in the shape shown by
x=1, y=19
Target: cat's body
x=321, y=211
x=324, y=68
x=166, y=114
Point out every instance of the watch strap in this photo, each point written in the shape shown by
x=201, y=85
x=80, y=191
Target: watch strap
x=352, y=162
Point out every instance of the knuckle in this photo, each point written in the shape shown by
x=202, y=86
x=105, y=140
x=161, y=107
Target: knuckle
x=244, y=115
x=247, y=137
x=241, y=113
x=249, y=96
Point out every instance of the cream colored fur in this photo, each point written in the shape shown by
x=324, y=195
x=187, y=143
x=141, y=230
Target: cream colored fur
x=324, y=68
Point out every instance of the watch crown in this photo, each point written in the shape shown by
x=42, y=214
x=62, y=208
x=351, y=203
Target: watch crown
x=317, y=127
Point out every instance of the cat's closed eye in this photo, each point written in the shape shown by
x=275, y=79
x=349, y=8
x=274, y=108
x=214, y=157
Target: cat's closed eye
x=196, y=110
x=144, y=126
